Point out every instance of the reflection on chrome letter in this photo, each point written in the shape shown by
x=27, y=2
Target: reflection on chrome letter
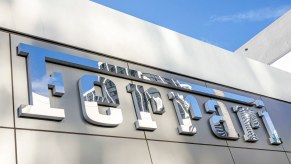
x=155, y=98
x=141, y=99
x=183, y=108
x=221, y=123
x=38, y=84
x=249, y=121
x=90, y=101
x=274, y=136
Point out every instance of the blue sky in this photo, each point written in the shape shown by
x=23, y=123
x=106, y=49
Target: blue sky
x=224, y=23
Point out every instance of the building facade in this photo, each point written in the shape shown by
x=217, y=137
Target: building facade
x=82, y=83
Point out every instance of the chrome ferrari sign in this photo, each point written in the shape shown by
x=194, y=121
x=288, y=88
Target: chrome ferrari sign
x=146, y=101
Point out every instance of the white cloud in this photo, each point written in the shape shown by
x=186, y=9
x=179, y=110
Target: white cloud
x=41, y=86
x=252, y=15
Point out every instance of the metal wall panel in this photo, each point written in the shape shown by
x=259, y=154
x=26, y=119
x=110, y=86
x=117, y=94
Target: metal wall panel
x=7, y=148
x=289, y=156
x=6, y=109
x=280, y=113
x=168, y=152
x=59, y=142
x=90, y=26
x=247, y=156
x=35, y=147
x=74, y=121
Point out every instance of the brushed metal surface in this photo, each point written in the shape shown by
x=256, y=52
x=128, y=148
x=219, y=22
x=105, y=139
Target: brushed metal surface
x=34, y=147
x=91, y=26
x=6, y=108
x=280, y=113
x=289, y=156
x=172, y=153
x=7, y=148
x=247, y=156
